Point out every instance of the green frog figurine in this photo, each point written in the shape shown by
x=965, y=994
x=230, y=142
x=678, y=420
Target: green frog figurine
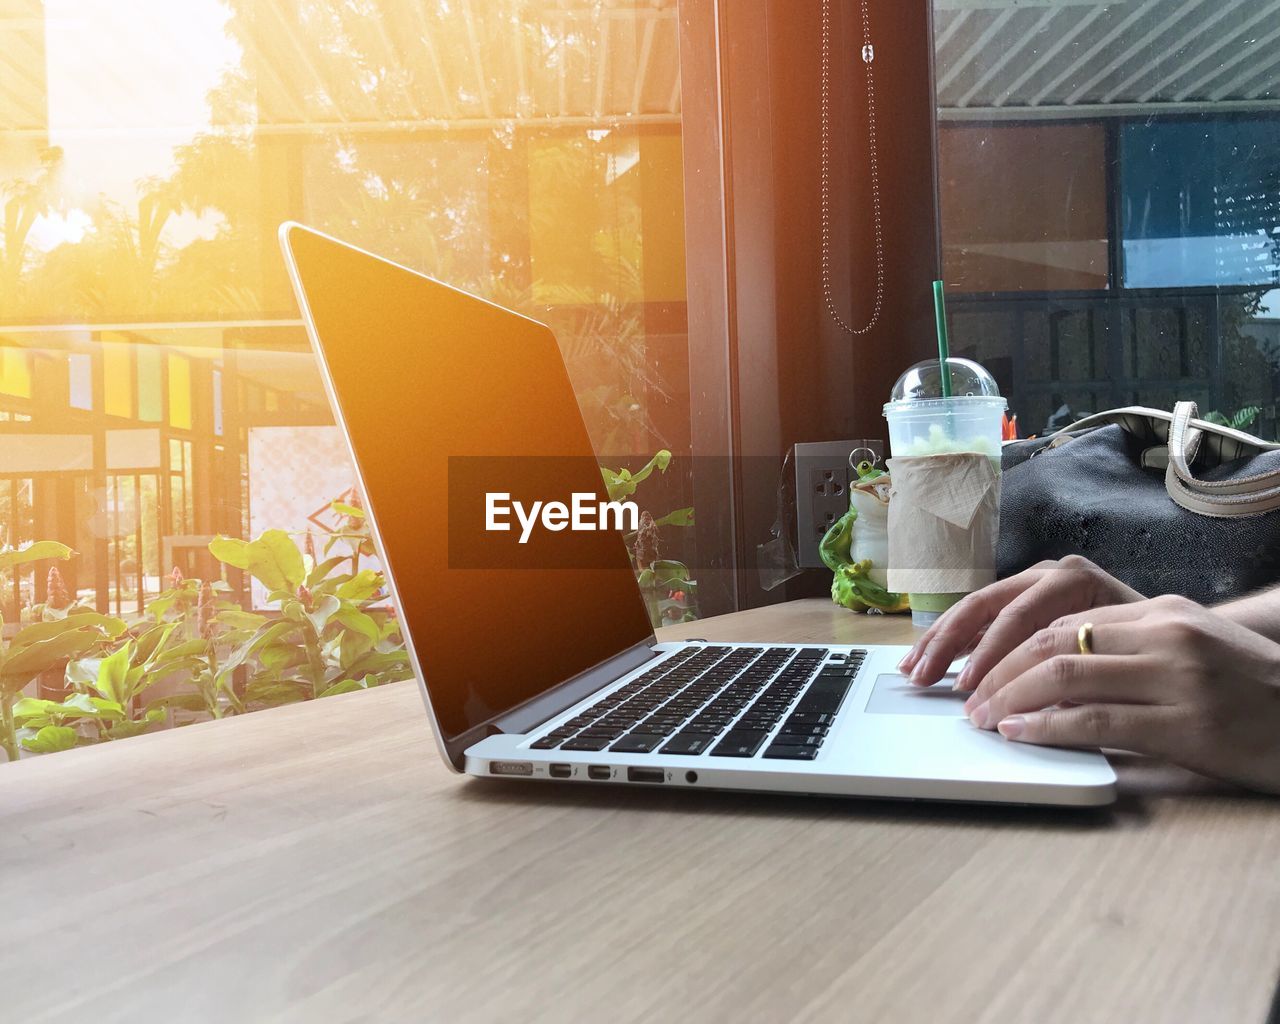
x=856, y=547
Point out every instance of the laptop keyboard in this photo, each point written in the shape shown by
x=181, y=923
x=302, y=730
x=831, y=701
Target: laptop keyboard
x=721, y=702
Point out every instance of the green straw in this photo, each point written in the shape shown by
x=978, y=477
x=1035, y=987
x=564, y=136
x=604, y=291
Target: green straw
x=944, y=348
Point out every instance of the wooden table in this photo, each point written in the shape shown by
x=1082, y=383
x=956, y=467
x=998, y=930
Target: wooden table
x=319, y=863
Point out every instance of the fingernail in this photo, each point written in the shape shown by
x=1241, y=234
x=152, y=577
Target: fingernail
x=962, y=679
x=905, y=664
x=978, y=716
x=917, y=674
x=971, y=703
x=1012, y=727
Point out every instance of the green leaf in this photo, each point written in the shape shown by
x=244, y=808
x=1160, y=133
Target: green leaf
x=78, y=619
x=324, y=609
x=347, y=510
x=185, y=701
x=184, y=652
x=346, y=686
x=237, y=618
x=34, y=552
x=276, y=562
x=33, y=712
x=123, y=730
x=51, y=739
x=44, y=630
x=279, y=656
x=668, y=573
x=157, y=607
x=26, y=661
x=272, y=633
x=230, y=550
x=113, y=674
x=354, y=619
x=95, y=707
x=393, y=663
x=153, y=640
x=362, y=586
x=680, y=517
x=291, y=610
x=352, y=646
x=323, y=569
x=265, y=691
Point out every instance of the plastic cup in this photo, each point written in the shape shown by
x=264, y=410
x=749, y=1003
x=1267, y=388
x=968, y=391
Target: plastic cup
x=943, y=425
x=922, y=422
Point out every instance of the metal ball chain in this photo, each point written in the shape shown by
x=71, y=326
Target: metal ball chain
x=868, y=59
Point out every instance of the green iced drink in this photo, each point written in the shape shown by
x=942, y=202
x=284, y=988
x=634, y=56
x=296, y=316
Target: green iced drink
x=922, y=422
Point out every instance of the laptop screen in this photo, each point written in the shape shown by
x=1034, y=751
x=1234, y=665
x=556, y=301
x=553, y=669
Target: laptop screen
x=435, y=387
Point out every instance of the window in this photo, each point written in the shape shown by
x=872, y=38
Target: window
x=1110, y=203
x=528, y=150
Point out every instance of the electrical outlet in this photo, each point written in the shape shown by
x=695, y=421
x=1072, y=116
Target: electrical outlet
x=823, y=477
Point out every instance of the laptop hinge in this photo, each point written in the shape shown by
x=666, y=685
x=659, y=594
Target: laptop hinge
x=533, y=713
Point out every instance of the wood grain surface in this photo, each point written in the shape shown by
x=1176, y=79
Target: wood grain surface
x=319, y=863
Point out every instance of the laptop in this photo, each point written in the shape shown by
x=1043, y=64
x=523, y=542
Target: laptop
x=537, y=660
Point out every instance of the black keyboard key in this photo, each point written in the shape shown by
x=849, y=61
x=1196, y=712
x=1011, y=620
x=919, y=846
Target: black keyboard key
x=786, y=752
x=740, y=743
x=636, y=743
x=791, y=729
x=800, y=741
x=810, y=718
x=586, y=743
x=825, y=695
x=657, y=728
x=546, y=743
x=596, y=732
x=688, y=743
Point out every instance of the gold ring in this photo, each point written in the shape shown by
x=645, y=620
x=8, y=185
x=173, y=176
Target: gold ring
x=1084, y=637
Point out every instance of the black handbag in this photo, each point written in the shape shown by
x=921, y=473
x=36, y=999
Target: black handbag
x=1168, y=503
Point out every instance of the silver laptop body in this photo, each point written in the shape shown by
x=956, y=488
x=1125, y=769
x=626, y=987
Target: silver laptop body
x=538, y=673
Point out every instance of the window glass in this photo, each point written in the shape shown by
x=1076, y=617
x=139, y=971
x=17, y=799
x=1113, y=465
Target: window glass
x=15, y=372
x=1200, y=202
x=1045, y=228
x=527, y=150
x=150, y=376
x=117, y=373
x=80, y=381
x=179, y=392
x=1110, y=203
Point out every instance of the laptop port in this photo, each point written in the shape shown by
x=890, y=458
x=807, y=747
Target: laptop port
x=560, y=771
x=599, y=772
x=510, y=767
x=646, y=775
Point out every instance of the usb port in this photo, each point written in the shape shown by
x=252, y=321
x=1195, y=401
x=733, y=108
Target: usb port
x=646, y=775
x=560, y=771
x=599, y=772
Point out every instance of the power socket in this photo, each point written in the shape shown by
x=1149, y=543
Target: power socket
x=823, y=478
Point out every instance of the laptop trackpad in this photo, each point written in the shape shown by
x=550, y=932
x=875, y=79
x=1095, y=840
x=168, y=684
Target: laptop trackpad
x=893, y=695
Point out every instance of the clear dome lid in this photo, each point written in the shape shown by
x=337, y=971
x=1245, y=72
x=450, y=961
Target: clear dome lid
x=923, y=382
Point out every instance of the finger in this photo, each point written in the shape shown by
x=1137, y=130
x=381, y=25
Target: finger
x=982, y=606
x=1078, y=678
x=1055, y=641
x=1140, y=728
x=958, y=627
x=1051, y=598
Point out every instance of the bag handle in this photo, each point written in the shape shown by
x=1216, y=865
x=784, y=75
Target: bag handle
x=1247, y=496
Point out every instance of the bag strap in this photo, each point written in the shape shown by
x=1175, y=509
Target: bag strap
x=1239, y=496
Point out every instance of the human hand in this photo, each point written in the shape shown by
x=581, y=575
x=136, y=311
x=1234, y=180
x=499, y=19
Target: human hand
x=993, y=621
x=1167, y=678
